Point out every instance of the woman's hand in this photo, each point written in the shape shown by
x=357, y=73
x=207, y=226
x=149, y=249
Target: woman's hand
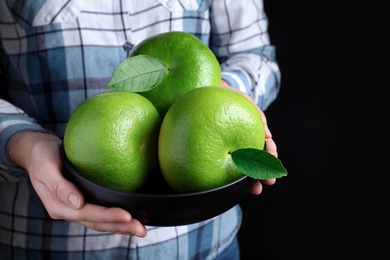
x=270, y=145
x=39, y=154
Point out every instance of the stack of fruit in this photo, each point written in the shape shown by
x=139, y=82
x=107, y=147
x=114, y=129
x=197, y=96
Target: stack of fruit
x=164, y=113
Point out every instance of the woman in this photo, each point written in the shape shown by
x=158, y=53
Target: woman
x=54, y=55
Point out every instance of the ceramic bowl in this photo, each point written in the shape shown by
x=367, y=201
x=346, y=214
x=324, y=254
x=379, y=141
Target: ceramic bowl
x=156, y=204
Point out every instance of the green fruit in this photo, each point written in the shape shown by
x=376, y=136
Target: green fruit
x=191, y=64
x=198, y=134
x=111, y=139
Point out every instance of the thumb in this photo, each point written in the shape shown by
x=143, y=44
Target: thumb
x=68, y=193
x=54, y=188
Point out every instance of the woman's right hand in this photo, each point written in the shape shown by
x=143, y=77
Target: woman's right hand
x=39, y=154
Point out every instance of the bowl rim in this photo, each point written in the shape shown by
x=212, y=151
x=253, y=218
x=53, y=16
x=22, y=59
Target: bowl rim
x=69, y=165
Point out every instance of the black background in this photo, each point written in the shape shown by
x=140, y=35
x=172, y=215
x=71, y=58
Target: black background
x=302, y=215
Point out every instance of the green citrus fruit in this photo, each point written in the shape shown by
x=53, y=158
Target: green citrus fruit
x=191, y=64
x=111, y=139
x=198, y=134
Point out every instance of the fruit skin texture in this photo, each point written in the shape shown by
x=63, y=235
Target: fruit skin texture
x=111, y=139
x=198, y=134
x=191, y=64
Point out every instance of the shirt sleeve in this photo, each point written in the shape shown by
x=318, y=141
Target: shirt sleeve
x=13, y=120
x=241, y=42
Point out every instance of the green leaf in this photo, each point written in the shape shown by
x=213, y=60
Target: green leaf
x=137, y=74
x=258, y=164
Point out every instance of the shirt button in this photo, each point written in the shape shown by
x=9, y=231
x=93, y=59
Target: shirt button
x=128, y=46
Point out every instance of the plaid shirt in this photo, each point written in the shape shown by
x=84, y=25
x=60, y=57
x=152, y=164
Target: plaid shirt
x=55, y=54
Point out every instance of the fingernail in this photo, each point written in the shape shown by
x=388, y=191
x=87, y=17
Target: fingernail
x=74, y=200
x=268, y=133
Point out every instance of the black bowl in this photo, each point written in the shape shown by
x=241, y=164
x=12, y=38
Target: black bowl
x=156, y=204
